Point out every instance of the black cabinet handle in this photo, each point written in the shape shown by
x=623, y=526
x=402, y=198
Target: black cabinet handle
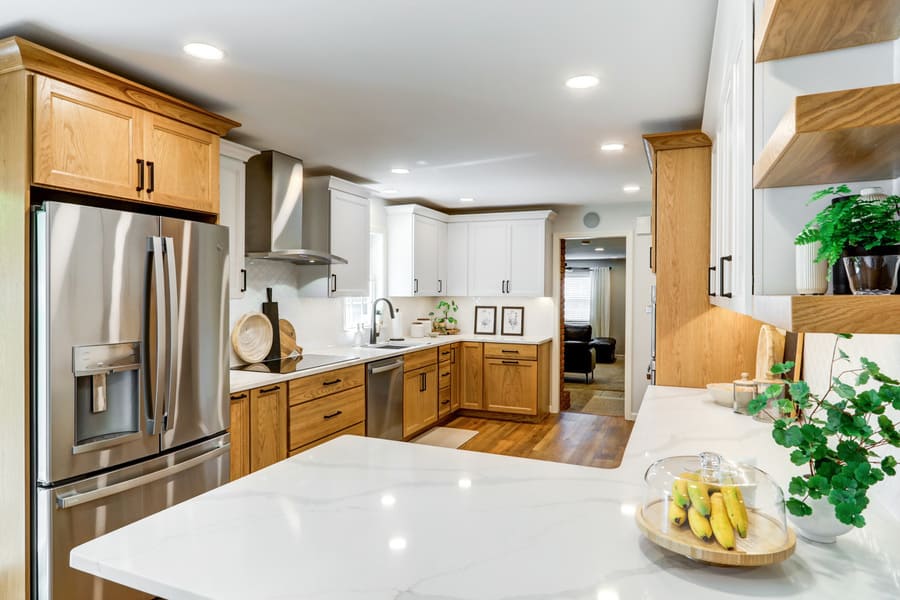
x=722, y=291
x=244, y=275
x=422, y=384
x=445, y=402
x=333, y=415
x=239, y=397
x=415, y=286
x=333, y=282
x=151, y=168
x=274, y=388
x=445, y=374
x=510, y=351
x=509, y=362
x=140, y=165
x=445, y=352
x=336, y=381
x=440, y=286
x=709, y=281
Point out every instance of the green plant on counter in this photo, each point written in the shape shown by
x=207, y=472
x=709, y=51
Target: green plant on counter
x=441, y=320
x=836, y=434
x=856, y=221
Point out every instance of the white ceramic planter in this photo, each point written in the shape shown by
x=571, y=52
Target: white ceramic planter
x=821, y=526
x=811, y=276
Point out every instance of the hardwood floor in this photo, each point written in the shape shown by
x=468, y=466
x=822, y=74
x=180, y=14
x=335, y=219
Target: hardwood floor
x=573, y=438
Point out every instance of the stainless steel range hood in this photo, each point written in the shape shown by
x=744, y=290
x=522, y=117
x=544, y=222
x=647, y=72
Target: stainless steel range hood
x=278, y=224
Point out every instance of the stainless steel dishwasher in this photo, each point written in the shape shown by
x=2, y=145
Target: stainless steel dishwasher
x=384, y=399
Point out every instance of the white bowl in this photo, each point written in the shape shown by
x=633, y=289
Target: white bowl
x=722, y=393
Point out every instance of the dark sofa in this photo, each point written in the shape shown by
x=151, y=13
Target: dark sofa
x=582, y=352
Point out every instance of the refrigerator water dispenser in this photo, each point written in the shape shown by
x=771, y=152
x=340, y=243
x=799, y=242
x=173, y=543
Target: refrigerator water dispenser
x=107, y=393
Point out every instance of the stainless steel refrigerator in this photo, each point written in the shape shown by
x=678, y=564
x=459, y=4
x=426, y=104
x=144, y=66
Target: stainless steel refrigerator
x=130, y=388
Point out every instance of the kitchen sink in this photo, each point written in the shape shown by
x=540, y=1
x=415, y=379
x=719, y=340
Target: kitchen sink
x=398, y=345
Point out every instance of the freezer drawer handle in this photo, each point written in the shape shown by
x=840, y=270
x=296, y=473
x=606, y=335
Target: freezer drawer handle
x=335, y=382
x=333, y=415
x=64, y=502
x=274, y=388
x=385, y=368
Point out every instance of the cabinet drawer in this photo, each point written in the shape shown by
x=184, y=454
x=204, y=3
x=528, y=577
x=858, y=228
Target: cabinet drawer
x=444, y=402
x=316, y=386
x=511, y=386
x=312, y=421
x=445, y=376
x=445, y=353
x=358, y=429
x=520, y=351
x=419, y=359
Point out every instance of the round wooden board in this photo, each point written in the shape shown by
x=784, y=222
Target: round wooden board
x=288, y=336
x=756, y=550
x=251, y=337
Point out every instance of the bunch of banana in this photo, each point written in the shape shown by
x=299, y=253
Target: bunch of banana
x=710, y=511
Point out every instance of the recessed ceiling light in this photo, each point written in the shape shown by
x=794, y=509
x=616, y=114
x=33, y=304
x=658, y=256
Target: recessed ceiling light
x=581, y=82
x=204, y=51
x=599, y=249
x=388, y=191
x=631, y=188
x=399, y=171
x=612, y=147
x=421, y=163
x=467, y=199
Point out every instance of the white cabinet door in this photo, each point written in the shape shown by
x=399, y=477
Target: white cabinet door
x=457, y=259
x=231, y=214
x=527, y=264
x=488, y=258
x=426, y=234
x=441, y=250
x=349, y=240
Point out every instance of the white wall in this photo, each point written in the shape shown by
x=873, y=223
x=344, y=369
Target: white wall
x=617, y=296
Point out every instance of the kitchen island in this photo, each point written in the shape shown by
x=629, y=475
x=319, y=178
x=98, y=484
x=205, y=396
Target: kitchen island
x=359, y=518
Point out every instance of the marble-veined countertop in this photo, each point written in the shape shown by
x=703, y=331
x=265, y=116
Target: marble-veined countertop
x=245, y=380
x=360, y=518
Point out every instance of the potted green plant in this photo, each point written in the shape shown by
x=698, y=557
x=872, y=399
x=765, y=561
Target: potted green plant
x=442, y=321
x=863, y=230
x=840, y=437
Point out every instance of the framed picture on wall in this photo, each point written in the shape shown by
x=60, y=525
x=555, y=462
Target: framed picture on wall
x=486, y=319
x=512, y=320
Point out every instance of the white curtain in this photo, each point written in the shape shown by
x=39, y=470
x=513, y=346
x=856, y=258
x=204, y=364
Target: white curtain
x=600, y=305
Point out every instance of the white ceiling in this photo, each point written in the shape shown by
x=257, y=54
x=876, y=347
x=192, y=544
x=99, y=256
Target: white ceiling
x=612, y=248
x=472, y=87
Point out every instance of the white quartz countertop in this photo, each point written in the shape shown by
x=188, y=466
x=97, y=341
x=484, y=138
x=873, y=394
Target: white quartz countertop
x=245, y=380
x=360, y=518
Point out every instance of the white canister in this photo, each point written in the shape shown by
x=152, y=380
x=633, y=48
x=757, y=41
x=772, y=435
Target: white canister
x=811, y=275
x=416, y=329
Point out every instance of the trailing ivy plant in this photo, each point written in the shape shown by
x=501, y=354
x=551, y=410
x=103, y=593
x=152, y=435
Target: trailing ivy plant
x=855, y=221
x=442, y=321
x=836, y=434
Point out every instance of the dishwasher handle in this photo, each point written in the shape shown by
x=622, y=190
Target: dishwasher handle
x=385, y=368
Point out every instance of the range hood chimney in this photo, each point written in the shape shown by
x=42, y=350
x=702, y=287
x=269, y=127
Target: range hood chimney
x=275, y=217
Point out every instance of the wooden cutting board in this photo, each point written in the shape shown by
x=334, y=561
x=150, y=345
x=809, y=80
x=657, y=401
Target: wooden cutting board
x=288, y=336
x=769, y=350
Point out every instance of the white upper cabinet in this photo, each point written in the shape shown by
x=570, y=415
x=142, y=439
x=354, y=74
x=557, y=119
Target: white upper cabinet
x=728, y=120
x=232, y=178
x=457, y=259
x=488, y=258
x=416, y=251
x=347, y=236
x=349, y=240
x=528, y=259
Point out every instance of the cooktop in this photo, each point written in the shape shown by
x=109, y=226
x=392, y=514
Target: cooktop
x=294, y=363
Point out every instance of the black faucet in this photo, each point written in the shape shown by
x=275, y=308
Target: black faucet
x=373, y=335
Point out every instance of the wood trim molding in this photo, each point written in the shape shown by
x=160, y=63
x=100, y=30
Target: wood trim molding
x=19, y=54
x=675, y=140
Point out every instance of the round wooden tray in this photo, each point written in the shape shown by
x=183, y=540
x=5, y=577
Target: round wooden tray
x=756, y=550
x=251, y=337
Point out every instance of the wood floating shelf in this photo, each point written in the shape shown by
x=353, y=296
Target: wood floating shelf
x=796, y=27
x=848, y=135
x=830, y=314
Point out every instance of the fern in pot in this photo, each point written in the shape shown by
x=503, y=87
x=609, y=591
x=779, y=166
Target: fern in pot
x=863, y=231
x=845, y=438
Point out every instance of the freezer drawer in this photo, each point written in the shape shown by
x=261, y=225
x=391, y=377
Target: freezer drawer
x=72, y=514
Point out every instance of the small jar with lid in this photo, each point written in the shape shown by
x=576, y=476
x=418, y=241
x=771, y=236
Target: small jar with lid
x=744, y=392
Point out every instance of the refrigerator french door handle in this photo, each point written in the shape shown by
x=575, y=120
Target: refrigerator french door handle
x=64, y=502
x=172, y=284
x=156, y=248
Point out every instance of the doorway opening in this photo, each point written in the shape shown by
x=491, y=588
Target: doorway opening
x=593, y=307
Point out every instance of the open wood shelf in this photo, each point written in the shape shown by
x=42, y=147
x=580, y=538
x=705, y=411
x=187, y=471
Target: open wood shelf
x=795, y=27
x=848, y=135
x=830, y=314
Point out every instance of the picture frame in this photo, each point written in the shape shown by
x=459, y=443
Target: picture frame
x=512, y=320
x=486, y=320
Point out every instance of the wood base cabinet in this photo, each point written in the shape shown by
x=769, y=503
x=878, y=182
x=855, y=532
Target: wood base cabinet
x=471, y=388
x=325, y=406
x=240, y=435
x=268, y=426
x=420, y=399
x=510, y=386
